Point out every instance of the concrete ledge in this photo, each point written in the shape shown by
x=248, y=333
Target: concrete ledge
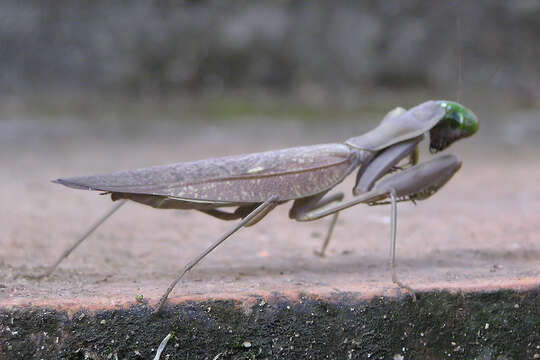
x=503, y=324
x=472, y=253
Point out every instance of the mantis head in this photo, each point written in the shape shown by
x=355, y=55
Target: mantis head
x=458, y=122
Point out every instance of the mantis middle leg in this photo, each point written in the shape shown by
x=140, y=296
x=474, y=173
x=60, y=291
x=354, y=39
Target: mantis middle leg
x=320, y=212
x=415, y=183
x=305, y=205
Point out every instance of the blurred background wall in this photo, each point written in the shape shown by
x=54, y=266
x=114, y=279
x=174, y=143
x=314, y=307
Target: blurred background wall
x=169, y=47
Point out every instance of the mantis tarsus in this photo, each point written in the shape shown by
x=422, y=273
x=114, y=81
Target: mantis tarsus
x=256, y=183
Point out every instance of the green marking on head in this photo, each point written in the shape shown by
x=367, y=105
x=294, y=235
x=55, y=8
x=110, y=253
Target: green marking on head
x=458, y=122
x=460, y=117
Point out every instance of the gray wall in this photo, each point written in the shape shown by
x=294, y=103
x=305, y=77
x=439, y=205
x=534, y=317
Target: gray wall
x=169, y=46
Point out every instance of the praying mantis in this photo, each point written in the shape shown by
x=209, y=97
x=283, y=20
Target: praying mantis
x=254, y=184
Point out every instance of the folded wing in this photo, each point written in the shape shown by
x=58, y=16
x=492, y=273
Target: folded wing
x=288, y=173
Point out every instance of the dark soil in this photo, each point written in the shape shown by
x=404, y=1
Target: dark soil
x=501, y=325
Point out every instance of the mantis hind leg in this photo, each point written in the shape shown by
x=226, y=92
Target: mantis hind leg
x=302, y=207
x=69, y=250
x=240, y=213
x=252, y=216
x=222, y=215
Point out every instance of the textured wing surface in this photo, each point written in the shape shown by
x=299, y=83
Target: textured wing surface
x=400, y=127
x=289, y=173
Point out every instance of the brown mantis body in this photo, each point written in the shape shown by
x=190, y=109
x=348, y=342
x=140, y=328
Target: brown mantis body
x=254, y=184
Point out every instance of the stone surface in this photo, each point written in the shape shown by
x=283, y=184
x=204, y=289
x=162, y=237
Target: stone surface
x=478, y=235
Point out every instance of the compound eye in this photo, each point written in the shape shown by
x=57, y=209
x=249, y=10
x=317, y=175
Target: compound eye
x=454, y=119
